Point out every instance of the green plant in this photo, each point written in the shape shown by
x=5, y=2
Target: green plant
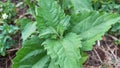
x=6, y=41
x=7, y=16
x=63, y=37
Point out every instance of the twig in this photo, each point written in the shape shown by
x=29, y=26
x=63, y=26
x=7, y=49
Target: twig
x=10, y=58
x=97, y=55
x=113, y=37
x=21, y=16
x=13, y=50
x=112, y=52
x=116, y=51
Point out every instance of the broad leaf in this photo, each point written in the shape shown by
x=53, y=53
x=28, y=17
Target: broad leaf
x=92, y=25
x=65, y=51
x=32, y=55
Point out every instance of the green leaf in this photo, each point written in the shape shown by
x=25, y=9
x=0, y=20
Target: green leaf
x=92, y=25
x=31, y=55
x=65, y=51
x=50, y=14
x=28, y=30
x=63, y=25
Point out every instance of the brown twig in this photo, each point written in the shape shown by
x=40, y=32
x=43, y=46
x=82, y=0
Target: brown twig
x=97, y=55
x=113, y=37
x=112, y=52
x=15, y=49
x=21, y=16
